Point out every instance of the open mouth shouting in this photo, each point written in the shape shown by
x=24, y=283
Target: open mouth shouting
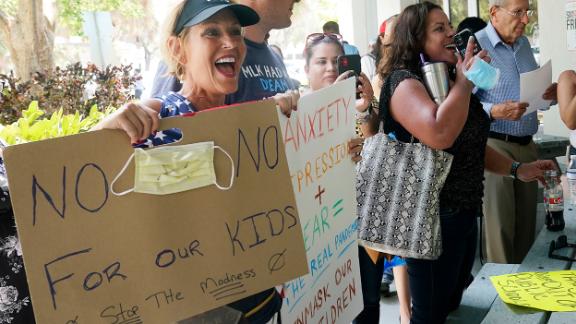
x=227, y=66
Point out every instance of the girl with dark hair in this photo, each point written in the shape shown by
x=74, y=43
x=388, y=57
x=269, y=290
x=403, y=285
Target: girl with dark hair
x=385, y=37
x=458, y=126
x=386, y=32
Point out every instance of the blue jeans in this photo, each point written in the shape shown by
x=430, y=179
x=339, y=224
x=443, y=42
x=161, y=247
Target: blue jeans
x=388, y=276
x=371, y=277
x=437, y=286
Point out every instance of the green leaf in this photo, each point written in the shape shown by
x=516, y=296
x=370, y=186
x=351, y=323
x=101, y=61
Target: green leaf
x=30, y=127
x=70, y=11
x=32, y=113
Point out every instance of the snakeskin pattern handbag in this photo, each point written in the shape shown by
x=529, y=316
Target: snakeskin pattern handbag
x=398, y=188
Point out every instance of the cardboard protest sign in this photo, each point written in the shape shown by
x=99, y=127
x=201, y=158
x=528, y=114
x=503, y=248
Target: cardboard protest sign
x=93, y=257
x=323, y=176
x=550, y=291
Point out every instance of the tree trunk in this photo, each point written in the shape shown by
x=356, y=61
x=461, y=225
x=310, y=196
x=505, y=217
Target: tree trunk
x=29, y=37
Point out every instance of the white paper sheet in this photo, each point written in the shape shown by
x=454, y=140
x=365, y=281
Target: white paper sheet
x=533, y=84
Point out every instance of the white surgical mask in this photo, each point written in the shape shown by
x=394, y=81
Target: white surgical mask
x=172, y=169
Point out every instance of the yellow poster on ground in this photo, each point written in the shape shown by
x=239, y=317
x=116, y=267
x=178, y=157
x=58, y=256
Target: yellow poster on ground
x=550, y=291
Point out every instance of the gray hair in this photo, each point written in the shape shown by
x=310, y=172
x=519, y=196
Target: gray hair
x=493, y=3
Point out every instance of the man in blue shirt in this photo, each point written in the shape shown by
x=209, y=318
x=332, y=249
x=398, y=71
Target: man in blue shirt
x=509, y=204
x=332, y=27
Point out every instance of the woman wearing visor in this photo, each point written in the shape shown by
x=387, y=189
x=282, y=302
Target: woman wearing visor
x=204, y=48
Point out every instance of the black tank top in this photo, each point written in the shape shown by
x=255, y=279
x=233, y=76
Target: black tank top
x=464, y=187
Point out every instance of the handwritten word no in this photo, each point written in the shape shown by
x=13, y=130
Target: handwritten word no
x=266, y=143
x=79, y=184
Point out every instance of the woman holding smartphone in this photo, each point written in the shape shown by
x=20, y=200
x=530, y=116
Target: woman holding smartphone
x=321, y=54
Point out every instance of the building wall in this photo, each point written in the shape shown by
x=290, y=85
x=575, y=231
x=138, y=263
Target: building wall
x=552, y=21
x=355, y=27
x=367, y=15
x=388, y=8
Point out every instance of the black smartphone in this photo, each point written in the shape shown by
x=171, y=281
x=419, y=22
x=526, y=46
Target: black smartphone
x=461, y=41
x=350, y=62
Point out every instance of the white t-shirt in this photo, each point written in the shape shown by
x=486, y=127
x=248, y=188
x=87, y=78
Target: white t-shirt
x=368, y=66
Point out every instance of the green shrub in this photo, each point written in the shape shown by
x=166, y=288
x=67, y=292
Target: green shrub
x=66, y=89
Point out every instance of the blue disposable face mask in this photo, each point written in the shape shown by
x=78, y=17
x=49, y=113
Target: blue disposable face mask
x=483, y=75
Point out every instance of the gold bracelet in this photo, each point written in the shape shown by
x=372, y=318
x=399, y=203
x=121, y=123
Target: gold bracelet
x=374, y=104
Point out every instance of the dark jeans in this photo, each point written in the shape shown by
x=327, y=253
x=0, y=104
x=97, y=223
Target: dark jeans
x=437, y=286
x=371, y=277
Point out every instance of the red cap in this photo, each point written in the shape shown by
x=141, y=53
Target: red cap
x=382, y=28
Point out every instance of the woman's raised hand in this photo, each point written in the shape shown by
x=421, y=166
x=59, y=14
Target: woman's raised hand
x=465, y=63
x=364, y=88
x=287, y=101
x=366, y=93
x=355, y=148
x=136, y=119
x=345, y=75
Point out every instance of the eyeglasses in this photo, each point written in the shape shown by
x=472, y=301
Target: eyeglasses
x=560, y=243
x=519, y=13
x=316, y=37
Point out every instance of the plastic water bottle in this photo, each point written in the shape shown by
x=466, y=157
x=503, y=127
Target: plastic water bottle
x=554, y=199
x=571, y=177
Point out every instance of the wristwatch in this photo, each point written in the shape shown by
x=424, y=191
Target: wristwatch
x=514, y=169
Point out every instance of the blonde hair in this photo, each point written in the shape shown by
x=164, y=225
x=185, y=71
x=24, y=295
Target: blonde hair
x=171, y=58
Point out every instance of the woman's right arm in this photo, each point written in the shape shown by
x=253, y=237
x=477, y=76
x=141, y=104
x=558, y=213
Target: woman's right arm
x=436, y=126
x=137, y=119
x=567, y=98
